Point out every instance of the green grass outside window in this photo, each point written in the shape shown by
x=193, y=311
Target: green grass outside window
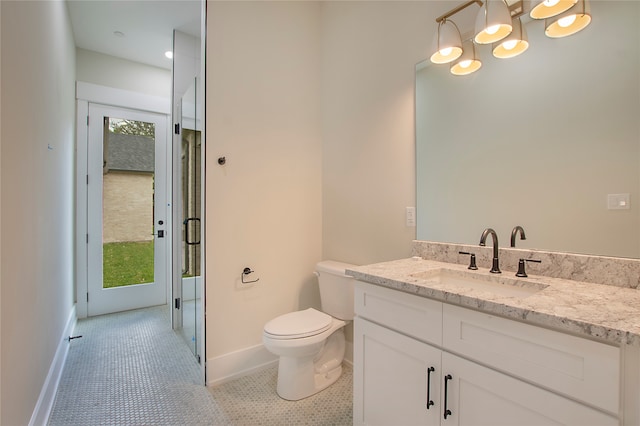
x=127, y=263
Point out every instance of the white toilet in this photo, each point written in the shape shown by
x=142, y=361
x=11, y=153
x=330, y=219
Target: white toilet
x=311, y=343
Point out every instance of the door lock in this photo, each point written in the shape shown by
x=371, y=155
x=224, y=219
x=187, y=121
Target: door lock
x=160, y=233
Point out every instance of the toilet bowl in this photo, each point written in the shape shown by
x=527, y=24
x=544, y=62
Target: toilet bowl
x=311, y=343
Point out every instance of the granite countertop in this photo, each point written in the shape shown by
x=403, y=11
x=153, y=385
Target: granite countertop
x=604, y=312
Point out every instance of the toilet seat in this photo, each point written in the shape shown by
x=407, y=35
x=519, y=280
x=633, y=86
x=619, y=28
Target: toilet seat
x=299, y=324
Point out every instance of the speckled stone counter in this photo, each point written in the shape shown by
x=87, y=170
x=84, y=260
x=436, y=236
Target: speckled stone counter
x=604, y=312
x=615, y=271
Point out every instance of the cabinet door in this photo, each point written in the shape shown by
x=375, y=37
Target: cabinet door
x=395, y=378
x=477, y=395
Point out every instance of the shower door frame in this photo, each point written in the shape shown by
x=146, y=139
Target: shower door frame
x=189, y=66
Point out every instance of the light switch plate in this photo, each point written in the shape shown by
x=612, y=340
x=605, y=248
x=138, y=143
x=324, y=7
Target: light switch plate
x=618, y=201
x=410, y=215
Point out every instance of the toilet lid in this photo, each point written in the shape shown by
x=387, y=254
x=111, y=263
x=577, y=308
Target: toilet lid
x=298, y=324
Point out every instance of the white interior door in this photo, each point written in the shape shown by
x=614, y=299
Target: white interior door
x=127, y=210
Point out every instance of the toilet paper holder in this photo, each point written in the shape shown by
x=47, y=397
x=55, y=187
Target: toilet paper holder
x=247, y=271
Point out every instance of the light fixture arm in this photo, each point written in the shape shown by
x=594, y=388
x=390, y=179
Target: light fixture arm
x=457, y=9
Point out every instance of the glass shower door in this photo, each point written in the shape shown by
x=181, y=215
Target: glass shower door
x=191, y=208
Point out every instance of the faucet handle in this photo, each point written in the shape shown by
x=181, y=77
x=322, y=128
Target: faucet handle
x=472, y=260
x=521, y=270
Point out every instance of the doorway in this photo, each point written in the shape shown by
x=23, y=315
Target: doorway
x=127, y=240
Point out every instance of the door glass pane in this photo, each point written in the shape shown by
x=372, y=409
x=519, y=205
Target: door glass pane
x=128, y=200
x=191, y=208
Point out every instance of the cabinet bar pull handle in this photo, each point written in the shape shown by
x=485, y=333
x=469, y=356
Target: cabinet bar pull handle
x=447, y=412
x=429, y=401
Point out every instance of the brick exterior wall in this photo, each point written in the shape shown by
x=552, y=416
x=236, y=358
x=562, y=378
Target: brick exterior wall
x=127, y=207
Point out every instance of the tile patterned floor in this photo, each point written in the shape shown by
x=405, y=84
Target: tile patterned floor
x=252, y=400
x=130, y=368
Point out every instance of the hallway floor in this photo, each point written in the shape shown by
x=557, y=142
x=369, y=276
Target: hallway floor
x=130, y=368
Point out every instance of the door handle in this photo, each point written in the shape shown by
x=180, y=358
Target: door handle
x=160, y=232
x=186, y=231
x=447, y=412
x=429, y=401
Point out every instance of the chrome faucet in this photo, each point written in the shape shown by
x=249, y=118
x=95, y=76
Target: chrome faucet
x=495, y=267
x=514, y=234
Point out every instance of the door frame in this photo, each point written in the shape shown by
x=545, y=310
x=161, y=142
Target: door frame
x=134, y=296
x=91, y=93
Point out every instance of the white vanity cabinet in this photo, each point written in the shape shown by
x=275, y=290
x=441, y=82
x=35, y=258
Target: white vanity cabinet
x=398, y=378
x=416, y=359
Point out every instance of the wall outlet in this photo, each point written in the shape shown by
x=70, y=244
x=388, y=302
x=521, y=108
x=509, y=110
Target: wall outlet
x=410, y=216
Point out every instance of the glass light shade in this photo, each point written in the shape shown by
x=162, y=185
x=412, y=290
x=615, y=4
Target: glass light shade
x=513, y=44
x=493, y=22
x=548, y=8
x=468, y=62
x=569, y=22
x=447, y=43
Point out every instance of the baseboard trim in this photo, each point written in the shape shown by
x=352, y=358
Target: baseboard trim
x=47, y=396
x=348, y=353
x=237, y=364
x=243, y=362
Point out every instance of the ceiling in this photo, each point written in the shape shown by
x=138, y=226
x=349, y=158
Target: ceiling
x=138, y=30
x=142, y=30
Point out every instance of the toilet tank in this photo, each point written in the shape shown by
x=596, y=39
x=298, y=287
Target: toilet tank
x=336, y=289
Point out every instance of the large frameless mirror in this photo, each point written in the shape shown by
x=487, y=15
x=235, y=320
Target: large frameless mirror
x=546, y=140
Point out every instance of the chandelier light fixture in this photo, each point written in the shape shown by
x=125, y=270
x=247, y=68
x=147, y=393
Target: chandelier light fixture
x=514, y=44
x=469, y=62
x=569, y=22
x=493, y=22
x=447, y=43
x=548, y=8
x=499, y=23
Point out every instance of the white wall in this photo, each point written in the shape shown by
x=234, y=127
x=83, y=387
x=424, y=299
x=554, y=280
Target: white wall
x=308, y=101
x=369, y=52
x=264, y=206
x=38, y=74
x=105, y=70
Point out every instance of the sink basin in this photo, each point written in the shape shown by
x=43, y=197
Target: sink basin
x=471, y=284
